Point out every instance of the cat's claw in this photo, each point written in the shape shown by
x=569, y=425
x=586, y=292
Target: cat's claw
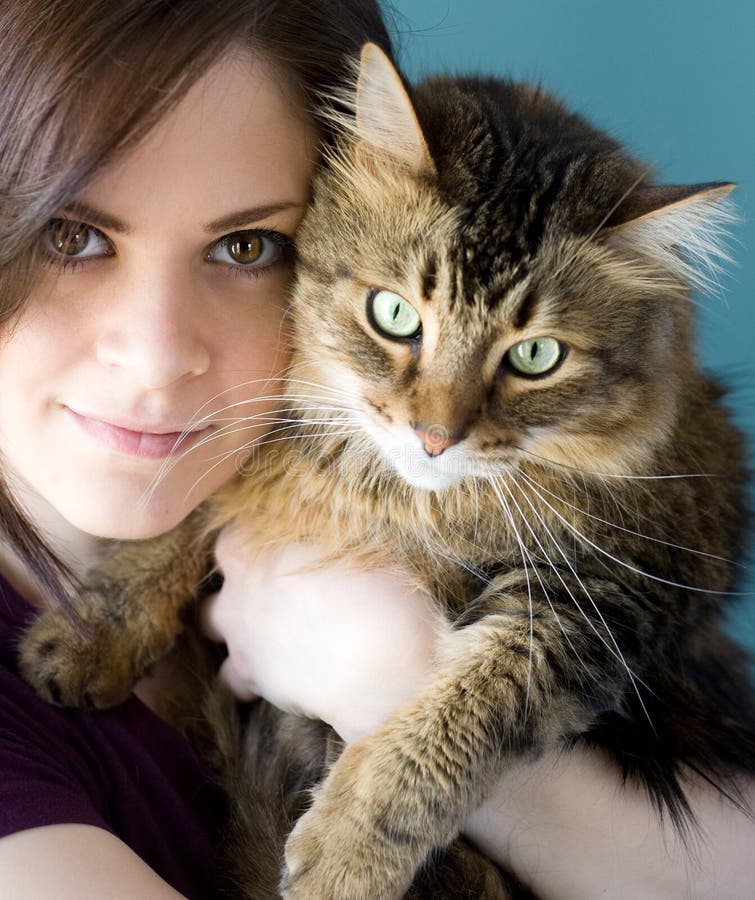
x=324, y=862
x=71, y=663
x=334, y=854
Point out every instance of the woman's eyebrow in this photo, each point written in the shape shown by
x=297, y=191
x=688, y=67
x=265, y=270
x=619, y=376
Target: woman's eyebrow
x=88, y=215
x=85, y=213
x=248, y=216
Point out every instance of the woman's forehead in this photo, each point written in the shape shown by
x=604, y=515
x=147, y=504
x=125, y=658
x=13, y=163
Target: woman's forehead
x=236, y=140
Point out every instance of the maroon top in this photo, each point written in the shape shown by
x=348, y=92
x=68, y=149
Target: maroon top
x=124, y=770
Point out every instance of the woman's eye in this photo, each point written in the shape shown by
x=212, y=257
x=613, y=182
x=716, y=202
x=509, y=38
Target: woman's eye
x=392, y=315
x=536, y=356
x=257, y=249
x=68, y=240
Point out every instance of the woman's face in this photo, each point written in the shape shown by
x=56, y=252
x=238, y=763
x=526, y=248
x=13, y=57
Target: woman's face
x=169, y=307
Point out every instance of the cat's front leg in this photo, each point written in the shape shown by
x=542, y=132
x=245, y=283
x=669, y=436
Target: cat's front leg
x=506, y=687
x=91, y=653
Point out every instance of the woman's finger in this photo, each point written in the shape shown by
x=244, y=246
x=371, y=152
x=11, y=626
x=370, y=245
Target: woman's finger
x=209, y=616
x=240, y=686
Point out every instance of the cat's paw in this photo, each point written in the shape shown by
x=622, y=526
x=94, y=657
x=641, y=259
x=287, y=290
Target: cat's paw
x=338, y=851
x=71, y=662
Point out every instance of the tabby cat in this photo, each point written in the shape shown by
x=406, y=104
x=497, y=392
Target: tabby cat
x=493, y=386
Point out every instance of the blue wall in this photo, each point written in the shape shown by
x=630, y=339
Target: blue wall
x=672, y=79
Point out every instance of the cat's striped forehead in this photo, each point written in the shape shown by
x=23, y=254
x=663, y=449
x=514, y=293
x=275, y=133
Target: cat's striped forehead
x=504, y=223
x=520, y=171
x=515, y=176
x=382, y=228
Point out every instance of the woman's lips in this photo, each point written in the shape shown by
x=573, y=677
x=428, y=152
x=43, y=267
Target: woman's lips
x=149, y=444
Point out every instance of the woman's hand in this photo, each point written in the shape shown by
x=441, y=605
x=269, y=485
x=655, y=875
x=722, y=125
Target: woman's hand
x=349, y=646
x=330, y=641
x=570, y=829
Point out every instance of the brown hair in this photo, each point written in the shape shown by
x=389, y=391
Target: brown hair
x=82, y=80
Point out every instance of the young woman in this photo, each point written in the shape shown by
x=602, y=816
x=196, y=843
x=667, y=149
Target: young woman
x=155, y=158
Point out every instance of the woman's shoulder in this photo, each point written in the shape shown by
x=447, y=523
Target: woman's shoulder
x=46, y=774
x=123, y=770
x=23, y=715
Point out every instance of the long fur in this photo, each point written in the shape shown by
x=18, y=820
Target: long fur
x=580, y=530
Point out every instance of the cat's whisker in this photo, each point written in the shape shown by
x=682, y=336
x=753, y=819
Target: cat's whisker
x=523, y=553
x=611, y=649
x=305, y=425
x=631, y=568
x=500, y=482
x=327, y=388
x=343, y=432
x=174, y=459
x=197, y=417
x=306, y=387
x=265, y=417
x=229, y=430
x=327, y=395
x=619, y=476
x=337, y=428
x=196, y=422
x=268, y=438
x=639, y=534
x=254, y=445
x=524, y=549
x=290, y=399
x=548, y=531
x=297, y=421
x=317, y=403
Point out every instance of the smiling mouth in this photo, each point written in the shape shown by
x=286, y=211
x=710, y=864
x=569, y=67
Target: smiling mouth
x=131, y=442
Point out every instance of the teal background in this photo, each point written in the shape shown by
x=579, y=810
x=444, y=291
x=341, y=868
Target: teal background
x=674, y=80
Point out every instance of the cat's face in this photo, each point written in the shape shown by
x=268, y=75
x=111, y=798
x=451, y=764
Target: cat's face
x=450, y=382
x=461, y=342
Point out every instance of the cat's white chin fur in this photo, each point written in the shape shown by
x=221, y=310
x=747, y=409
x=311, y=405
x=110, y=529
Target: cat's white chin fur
x=422, y=471
x=406, y=455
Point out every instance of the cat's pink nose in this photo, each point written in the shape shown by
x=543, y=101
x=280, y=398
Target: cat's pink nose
x=435, y=439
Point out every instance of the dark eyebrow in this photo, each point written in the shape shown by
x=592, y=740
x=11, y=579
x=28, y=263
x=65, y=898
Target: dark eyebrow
x=88, y=215
x=84, y=213
x=245, y=217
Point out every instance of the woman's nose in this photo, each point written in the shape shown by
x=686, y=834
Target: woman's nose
x=153, y=330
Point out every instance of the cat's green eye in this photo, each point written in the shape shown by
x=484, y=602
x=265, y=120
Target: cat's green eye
x=392, y=315
x=535, y=356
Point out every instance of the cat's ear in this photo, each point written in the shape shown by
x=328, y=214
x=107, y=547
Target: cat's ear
x=386, y=124
x=683, y=227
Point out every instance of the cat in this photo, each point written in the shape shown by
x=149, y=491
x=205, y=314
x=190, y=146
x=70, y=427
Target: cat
x=493, y=385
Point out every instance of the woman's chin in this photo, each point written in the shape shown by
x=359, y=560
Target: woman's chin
x=117, y=515
x=126, y=525
x=105, y=499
